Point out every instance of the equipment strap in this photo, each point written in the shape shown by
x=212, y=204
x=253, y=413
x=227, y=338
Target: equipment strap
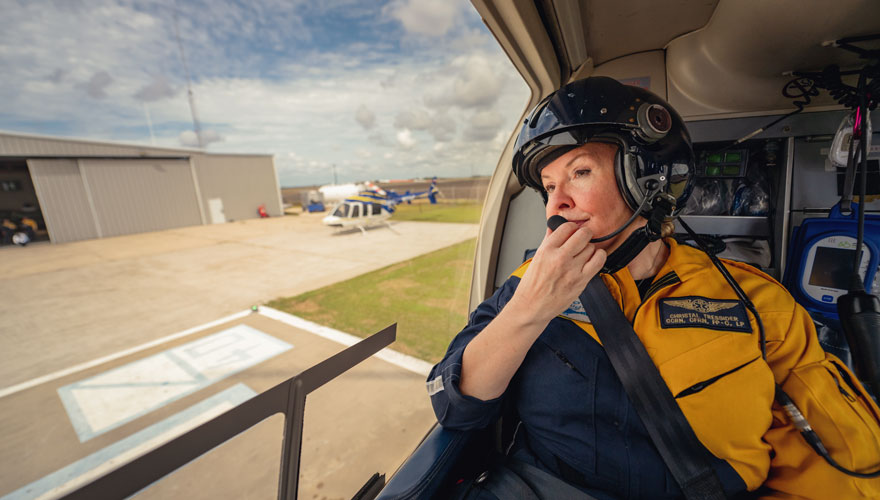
x=685, y=456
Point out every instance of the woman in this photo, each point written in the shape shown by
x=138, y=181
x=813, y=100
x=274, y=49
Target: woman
x=606, y=156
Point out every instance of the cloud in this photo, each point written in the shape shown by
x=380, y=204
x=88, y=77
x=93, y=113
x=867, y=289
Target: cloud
x=405, y=139
x=365, y=117
x=413, y=120
x=378, y=138
x=155, y=90
x=188, y=138
x=424, y=17
x=443, y=127
x=57, y=75
x=96, y=85
x=484, y=125
x=476, y=84
x=440, y=125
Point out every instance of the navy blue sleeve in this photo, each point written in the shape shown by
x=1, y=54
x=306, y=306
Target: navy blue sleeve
x=455, y=410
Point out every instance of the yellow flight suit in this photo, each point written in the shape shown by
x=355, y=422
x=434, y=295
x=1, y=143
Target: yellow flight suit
x=707, y=349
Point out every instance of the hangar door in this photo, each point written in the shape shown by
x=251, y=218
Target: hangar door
x=63, y=199
x=141, y=195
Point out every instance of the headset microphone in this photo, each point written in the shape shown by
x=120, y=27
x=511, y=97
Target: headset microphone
x=555, y=221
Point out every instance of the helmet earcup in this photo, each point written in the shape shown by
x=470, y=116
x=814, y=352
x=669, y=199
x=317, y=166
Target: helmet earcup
x=626, y=168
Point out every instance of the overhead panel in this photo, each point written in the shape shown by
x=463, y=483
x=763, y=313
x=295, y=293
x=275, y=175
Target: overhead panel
x=141, y=195
x=741, y=60
x=645, y=69
x=63, y=200
x=616, y=28
x=589, y=33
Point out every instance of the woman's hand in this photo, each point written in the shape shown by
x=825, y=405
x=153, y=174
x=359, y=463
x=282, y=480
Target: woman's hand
x=563, y=265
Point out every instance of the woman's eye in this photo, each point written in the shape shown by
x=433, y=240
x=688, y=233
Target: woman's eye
x=549, y=189
x=581, y=172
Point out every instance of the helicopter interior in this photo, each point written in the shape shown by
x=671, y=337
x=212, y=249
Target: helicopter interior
x=762, y=136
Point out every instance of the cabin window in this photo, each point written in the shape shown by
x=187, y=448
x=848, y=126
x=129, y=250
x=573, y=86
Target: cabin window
x=356, y=211
x=376, y=209
x=341, y=210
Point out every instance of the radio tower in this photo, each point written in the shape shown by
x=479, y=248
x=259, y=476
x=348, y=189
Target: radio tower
x=192, y=101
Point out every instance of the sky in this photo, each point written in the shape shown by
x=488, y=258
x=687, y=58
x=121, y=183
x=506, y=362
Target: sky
x=370, y=89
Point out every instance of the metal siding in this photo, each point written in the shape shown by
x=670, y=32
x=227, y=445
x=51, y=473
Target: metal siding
x=15, y=145
x=242, y=182
x=63, y=200
x=135, y=196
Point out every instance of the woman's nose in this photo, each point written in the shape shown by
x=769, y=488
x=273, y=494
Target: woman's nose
x=560, y=198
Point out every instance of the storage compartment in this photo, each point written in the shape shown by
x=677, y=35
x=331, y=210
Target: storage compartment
x=736, y=196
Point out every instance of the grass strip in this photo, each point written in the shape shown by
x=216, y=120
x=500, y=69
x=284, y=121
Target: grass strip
x=468, y=212
x=426, y=296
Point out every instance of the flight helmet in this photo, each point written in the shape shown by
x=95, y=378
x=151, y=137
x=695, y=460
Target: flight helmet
x=654, y=154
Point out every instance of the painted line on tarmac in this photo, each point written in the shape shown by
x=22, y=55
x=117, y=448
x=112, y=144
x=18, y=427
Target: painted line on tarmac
x=95, y=362
x=83, y=471
x=404, y=361
x=105, y=401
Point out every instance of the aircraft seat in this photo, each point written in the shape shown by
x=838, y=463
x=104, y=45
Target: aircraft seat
x=443, y=459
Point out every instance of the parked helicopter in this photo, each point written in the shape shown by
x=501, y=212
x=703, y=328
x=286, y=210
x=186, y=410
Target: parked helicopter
x=373, y=207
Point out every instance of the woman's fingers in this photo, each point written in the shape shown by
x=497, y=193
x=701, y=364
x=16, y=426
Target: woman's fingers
x=594, y=262
x=563, y=265
x=558, y=237
x=578, y=241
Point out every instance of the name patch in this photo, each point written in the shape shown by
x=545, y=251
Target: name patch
x=700, y=312
x=576, y=311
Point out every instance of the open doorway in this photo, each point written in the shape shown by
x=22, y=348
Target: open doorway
x=20, y=212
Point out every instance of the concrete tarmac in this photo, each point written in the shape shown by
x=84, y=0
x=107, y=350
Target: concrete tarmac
x=70, y=303
x=74, y=303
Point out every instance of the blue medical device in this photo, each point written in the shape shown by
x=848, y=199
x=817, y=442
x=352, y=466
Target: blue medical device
x=821, y=255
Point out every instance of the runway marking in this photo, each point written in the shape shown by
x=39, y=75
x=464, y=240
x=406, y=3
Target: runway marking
x=105, y=401
x=81, y=472
x=8, y=391
x=404, y=361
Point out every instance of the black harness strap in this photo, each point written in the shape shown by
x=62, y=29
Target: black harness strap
x=685, y=456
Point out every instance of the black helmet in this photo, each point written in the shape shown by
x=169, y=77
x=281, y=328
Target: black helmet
x=654, y=147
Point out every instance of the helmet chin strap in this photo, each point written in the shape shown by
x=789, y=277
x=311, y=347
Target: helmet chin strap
x=663, y=206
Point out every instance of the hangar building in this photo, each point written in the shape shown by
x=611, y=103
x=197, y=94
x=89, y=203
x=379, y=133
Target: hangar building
x=78, y=189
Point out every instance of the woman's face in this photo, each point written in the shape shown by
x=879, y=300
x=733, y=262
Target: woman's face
x=581, y=187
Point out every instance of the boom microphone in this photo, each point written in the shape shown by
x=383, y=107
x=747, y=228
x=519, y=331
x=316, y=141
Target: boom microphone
x=555, y=221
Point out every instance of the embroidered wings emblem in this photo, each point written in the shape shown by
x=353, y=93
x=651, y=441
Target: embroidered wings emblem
x=700, y=305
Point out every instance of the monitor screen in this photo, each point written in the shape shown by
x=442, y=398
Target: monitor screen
x=832, y=267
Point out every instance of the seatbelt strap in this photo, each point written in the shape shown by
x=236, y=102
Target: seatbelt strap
x=516, y=480
x=685, y=456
